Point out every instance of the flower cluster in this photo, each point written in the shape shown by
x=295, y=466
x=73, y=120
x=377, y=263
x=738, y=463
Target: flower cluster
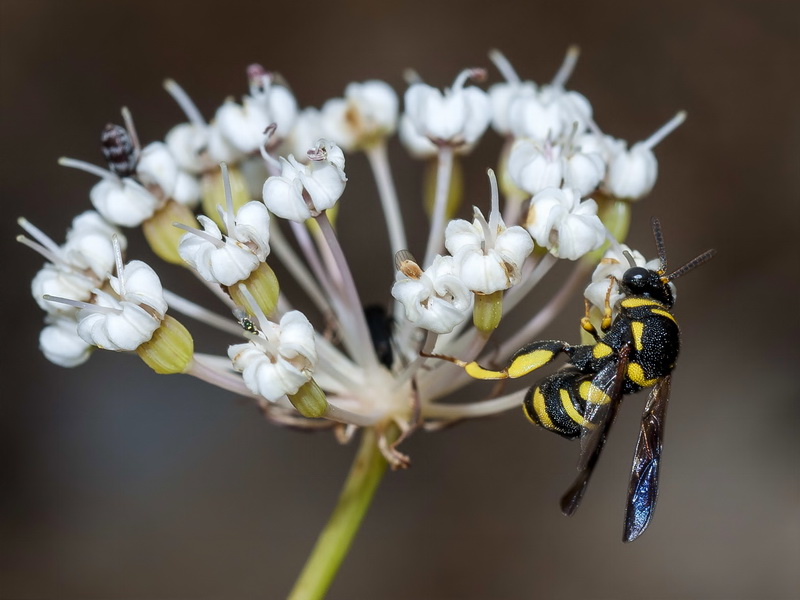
x=222, y=197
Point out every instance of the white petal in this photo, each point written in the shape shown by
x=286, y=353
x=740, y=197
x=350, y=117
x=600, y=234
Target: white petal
x=61, y=344
x=123, y=202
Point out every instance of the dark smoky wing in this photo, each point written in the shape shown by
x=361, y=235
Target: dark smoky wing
x=643, y=487
x=597, y=422
x=602, y=403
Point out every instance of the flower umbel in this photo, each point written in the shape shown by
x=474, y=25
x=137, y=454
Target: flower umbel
x=337, y=365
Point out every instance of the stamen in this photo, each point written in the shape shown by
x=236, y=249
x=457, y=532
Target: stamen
x=105, y=310
x=565, y=71
x=185, y=103
x=230, y=223
x=405, y=263
x=82, y=165
x=201, y=234
x=476, y=74
x=37, y=234
x=127, y=118
x=410, y=76
x=120, y=266
x=504, y=66
x=495, y=220
x=273, y=164
x=664, y=131
x=45, y=252
x=629, y=257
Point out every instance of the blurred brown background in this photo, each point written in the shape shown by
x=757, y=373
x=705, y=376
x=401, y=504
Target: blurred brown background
x=117, y=483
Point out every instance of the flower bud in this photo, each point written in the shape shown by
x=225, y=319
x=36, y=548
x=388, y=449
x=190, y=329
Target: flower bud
x=170, y=350
x=309, y=400
x=162, y=236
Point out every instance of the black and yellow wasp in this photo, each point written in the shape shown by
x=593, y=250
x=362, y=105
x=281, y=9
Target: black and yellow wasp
x=637, y=350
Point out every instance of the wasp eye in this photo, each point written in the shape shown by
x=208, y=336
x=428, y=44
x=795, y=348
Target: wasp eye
x=635, y=277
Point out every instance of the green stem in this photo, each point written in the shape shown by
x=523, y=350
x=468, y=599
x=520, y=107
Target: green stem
x=334, y=541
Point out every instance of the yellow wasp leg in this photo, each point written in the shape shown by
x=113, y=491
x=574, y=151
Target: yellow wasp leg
x=605, y=323
x=526, y=359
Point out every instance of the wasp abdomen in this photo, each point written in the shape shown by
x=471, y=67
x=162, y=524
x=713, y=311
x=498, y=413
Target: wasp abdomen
x=556, y=404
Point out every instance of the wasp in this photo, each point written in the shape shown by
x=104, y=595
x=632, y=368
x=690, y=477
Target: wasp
x=638, y=349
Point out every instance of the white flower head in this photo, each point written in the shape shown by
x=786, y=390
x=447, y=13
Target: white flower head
x=435, y=299
x=457, y=117
x=308, y=128
x=231, y=258
x=367, y=112
x=609, y=271
x=632, y=173
x=89, y=244
x=61, y=345
x=488, y=255
x=124, y=321
x=119, y=200
x=534, y=166
x=568, y=227
x=196, y=146
x=303, y=191
x=123, y=201
x=158, y=167
x=268, y=102
x=81, y=264
x=279, y=359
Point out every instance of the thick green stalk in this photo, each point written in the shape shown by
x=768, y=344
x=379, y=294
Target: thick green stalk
x=334, y=541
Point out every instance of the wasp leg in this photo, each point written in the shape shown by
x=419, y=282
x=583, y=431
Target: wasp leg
x=605, y=323
x=526, y=359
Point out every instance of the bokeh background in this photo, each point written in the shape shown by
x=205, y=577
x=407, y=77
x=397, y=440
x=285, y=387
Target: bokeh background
x=117, y=483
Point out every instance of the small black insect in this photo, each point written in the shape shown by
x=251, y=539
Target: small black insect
x=380, y=330
x=119, y=150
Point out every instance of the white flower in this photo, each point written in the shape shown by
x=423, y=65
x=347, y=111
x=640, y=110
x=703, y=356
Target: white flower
x=417, y=144
x=488, y=256
x=243, y=126
x=124, y=322
x=229, y=259
x=438, y=300
x=52, y=280
x=81, y=264
x=583, y=170
x=534, y=167
x=367, y=112
x=614, y=264
x=302, y=191
x=279, y=359
x=457, y=117
x=308, y=128
x=158, y=167
x=123, y=201
x=502, y=96
x=89, y=246
x=550, y=113
x=567, y=227
x=632, y=173
x=61, y=345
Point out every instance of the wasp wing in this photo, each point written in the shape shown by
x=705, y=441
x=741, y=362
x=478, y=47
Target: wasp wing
x=603, y=401
x=643, y=487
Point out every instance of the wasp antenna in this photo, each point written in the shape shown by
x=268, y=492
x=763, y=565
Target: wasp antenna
x=692, y=264
x=662, y=252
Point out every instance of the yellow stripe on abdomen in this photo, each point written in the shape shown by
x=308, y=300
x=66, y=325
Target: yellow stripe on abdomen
x=569, y=408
